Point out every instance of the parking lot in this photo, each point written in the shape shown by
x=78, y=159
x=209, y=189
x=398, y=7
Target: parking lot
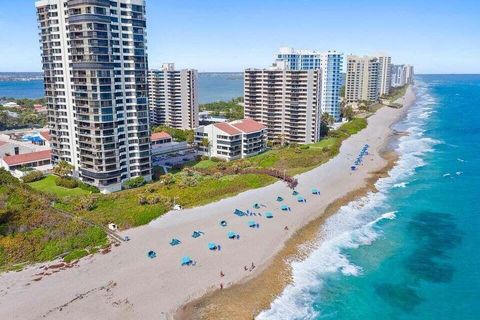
x=173, y=159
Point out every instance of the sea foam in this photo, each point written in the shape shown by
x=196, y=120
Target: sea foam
x=355, y=224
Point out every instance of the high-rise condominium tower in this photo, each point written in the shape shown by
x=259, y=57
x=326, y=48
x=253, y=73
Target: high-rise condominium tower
x=173, y=97
x=384, y=74
x=402, y=74
x=331, y=64
x=95, y=71
x=361, y=81
x=286, y=101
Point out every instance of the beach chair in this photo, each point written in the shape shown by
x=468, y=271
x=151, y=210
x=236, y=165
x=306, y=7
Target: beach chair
x=175, y=242
x=295, y=193
x=196, y=234
x=279, y=199
x=256, y=206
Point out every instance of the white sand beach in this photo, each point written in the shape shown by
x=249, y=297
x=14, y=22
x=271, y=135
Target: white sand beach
x=126, y=284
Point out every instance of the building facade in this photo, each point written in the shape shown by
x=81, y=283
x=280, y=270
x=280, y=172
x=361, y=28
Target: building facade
x=95, y=76
x=286, y=101
x=173, y=97
x=384, y=74
x=232, y=140
x=361, y=80
x=402, y=74
x=331, y=65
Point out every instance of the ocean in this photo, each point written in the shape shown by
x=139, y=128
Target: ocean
x=211, y=87
x=410, y=250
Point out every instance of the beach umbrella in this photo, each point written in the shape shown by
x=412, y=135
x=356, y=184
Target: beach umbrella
x=212, y=246
x=195, y=234
x=294, y=193
x=151, y=254
x=174, y=242
x=186, y=260
x=231, y=234
x=300, y=199
x=315, y=191
x=256, y=206
x=279, y=199
x=285, y=207
x=269, y=215
x=252, y=223
x=239, y=212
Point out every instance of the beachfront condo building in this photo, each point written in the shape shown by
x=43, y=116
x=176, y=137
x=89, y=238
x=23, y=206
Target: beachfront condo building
x=286, y=101
x=401, y=75
x=384, y=74
x=331, y=64
x=361, y=80
x=231, y=140
x=173, y=97
x=95, y=76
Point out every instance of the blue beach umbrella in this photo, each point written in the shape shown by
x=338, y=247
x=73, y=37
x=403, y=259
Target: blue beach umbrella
x=231, y=234
x=252, y=223
x=300, y=199
x=212, y=246
x=269, y=215
x=186, y=261
x=279, y=199
x=315, y=191
x=285, y=207
x=294, y=193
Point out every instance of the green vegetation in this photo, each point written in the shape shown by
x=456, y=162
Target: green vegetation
x=23, y=117
x=32, y=231
x=177, y=134
x=134, y=182
x=32, y=176
x=49, y=186
x=396, y=93
x=232, y=110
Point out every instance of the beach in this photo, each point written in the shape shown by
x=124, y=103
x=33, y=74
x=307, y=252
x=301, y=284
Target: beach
x=126, y=284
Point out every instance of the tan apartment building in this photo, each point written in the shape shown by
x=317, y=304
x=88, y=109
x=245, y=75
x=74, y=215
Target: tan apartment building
x=361, y=80
x=173, y=97
x=286, y=101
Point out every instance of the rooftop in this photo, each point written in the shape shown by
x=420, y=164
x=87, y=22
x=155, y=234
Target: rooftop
x=28, y=157
x=160, y=136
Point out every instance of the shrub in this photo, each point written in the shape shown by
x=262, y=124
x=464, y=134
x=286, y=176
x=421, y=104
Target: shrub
x=88, y=187
x=188, y=181
x=85, y=204
x=6, y=178
x=134, y=182
x=69, y=183
x=75, y=255
x=32, y=176
x=304, y=147
x=168, y=179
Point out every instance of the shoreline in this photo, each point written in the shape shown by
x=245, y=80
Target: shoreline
x=125, y=284
x=253, y=295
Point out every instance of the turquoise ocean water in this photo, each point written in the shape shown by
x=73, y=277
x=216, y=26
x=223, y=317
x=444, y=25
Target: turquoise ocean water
x=211, y=87
x=411, y=250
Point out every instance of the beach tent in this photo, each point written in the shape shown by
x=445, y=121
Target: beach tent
x=252, y=224
x=223, y=223
x=186, y=261
x=231, y=235
x=295, y=193
x=256, y=206
x=285, y=207
x=239, y=213
x=315, y=191
x=151, y=254
x=174, y=242
x=279, y=199
x=301, y=199
x=268, y=215
x=212, y=246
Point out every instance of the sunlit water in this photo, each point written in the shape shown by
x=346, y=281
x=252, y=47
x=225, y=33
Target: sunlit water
x=411, y=250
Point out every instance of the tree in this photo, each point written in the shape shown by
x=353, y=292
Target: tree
x=63, y=169
x=347, y=112
x=206, y=144
x=325, y=122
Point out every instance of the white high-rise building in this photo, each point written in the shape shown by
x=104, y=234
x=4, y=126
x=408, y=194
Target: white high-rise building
x=384, y=74
x=361, y=81
x=173, y=97
x=286, y=101
x=95, y=77
x=402, y=74
x=331, y=64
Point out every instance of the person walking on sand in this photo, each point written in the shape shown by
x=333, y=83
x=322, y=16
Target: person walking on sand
x=245, y=268
x=221, y=286
x=222, y=274
x=286, y=228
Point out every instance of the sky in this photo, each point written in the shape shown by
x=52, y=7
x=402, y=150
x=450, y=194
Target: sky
x=436, y=36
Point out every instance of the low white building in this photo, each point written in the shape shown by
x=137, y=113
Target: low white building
x=162, y=144
x=232, y=140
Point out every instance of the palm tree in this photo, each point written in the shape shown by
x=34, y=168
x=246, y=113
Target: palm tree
x=206, y=144
x=63, y=169
x=326, y=121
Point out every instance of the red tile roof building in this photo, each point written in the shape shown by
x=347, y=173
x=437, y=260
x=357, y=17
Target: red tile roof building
x=32, y=159
x=233, y=140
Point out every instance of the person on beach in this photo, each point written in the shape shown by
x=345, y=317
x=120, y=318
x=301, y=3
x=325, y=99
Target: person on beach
x=221, y=286
x=245, y=268
x=222, y=274
x=286, y=228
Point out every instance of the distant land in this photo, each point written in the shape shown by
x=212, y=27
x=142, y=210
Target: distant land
x=212, y=86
